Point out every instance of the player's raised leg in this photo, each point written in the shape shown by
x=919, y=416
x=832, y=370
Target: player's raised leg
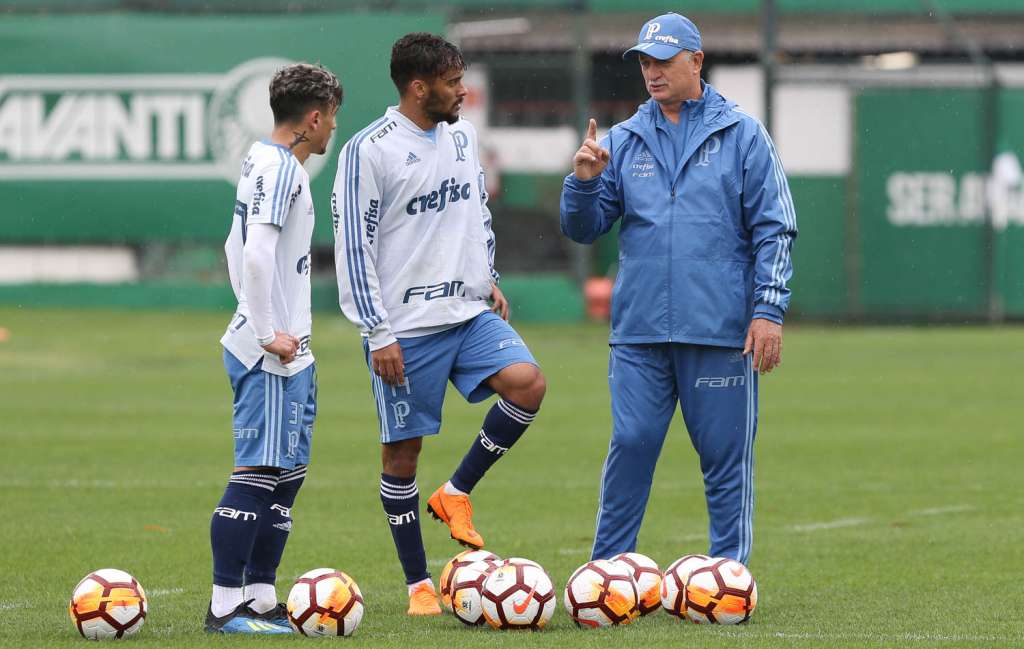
x=643, y=391
x=492, y=359
x=718, y=396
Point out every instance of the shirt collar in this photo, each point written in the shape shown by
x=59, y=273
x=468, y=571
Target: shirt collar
x=409, y=124
x=690, y=109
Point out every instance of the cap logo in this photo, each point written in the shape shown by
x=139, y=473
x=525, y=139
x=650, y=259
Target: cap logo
x=667, y=38
x=652, y=29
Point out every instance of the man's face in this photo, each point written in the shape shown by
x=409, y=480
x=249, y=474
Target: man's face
x=672, y=79
x=444, y=97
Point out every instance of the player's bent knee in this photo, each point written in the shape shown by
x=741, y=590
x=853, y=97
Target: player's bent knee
x=523, y=384
x=536, y=390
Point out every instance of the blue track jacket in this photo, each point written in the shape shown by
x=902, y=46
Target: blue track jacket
x=705, y=241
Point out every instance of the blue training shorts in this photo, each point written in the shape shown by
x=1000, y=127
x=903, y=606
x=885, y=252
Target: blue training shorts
x=273, y=415
x=467, y=355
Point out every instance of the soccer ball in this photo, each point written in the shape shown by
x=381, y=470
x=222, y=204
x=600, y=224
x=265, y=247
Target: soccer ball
x=325, y=602
x=673, y=584
x=518, y=596
x=107, y=604
x=601, y=593
x=647, y=576
x=722, y=591
x=466, y=589
x=520, y=561
x=461, y=559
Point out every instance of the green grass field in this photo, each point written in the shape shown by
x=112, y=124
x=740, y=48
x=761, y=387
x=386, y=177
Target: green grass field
x=890, y=491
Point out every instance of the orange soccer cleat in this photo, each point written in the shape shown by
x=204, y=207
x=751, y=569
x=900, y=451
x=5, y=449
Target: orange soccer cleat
x=423, y=600
x=457, y=513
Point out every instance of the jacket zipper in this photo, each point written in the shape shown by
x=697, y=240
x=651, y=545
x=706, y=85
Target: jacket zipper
x=671, y=236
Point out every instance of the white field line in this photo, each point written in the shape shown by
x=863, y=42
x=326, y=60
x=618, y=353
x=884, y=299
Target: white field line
x=936, y=511
x=12, y=606
x=875, y=637
x=829, y=525
x=855, y=522
x=568, y=552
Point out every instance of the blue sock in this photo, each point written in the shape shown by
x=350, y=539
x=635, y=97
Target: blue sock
x=275, y=525
x=504, y=424
x=236, y=521
x=401, y=500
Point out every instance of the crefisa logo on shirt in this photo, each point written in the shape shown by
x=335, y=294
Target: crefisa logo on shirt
x=136, y=126
x=643, y=164
x=449, y=192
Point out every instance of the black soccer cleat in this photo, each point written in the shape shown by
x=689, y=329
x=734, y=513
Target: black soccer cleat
x=241, y=620
x=277, y=615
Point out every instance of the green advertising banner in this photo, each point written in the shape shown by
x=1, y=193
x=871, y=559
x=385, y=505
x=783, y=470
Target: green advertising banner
x=921, y=201
x=1008, y=204
x=131, y=127
x=924, y=194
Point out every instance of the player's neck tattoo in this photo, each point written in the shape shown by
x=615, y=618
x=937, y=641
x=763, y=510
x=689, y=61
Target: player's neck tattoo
x=299, y=139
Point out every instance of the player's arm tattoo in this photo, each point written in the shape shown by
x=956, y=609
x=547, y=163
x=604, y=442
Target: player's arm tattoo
x=299, y=139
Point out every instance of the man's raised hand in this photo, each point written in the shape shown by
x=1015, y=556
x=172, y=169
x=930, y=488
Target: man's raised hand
x=591, y=159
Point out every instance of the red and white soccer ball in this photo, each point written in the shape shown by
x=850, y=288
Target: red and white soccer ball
x=108, y=604
x=673, y=583
x=518, y=596
x=722, y=591
x=520, y=561
x=601, y=593
x=466, y=590
x=461, y=559
x=647, y=576
x=325, y=602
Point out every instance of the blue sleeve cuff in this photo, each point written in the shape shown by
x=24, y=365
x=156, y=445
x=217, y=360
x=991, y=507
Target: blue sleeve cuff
x=769, y=312
x=587, y=186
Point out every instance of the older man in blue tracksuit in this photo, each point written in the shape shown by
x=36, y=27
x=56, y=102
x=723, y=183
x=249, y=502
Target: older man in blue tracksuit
x=704, y=256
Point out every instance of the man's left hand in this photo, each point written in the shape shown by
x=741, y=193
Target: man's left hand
x=764, y=338
x=498, y=302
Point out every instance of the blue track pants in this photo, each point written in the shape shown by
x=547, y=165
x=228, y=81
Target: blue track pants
x=716, y=389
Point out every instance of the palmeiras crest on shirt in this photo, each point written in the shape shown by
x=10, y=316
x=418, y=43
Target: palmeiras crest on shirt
x=461, y=142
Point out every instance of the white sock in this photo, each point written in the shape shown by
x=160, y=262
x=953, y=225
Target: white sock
x=224, y=600
x=264, y=597
x=450, y=489
x=412, y=587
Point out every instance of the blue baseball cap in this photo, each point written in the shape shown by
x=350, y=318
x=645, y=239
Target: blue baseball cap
x=665, y=36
